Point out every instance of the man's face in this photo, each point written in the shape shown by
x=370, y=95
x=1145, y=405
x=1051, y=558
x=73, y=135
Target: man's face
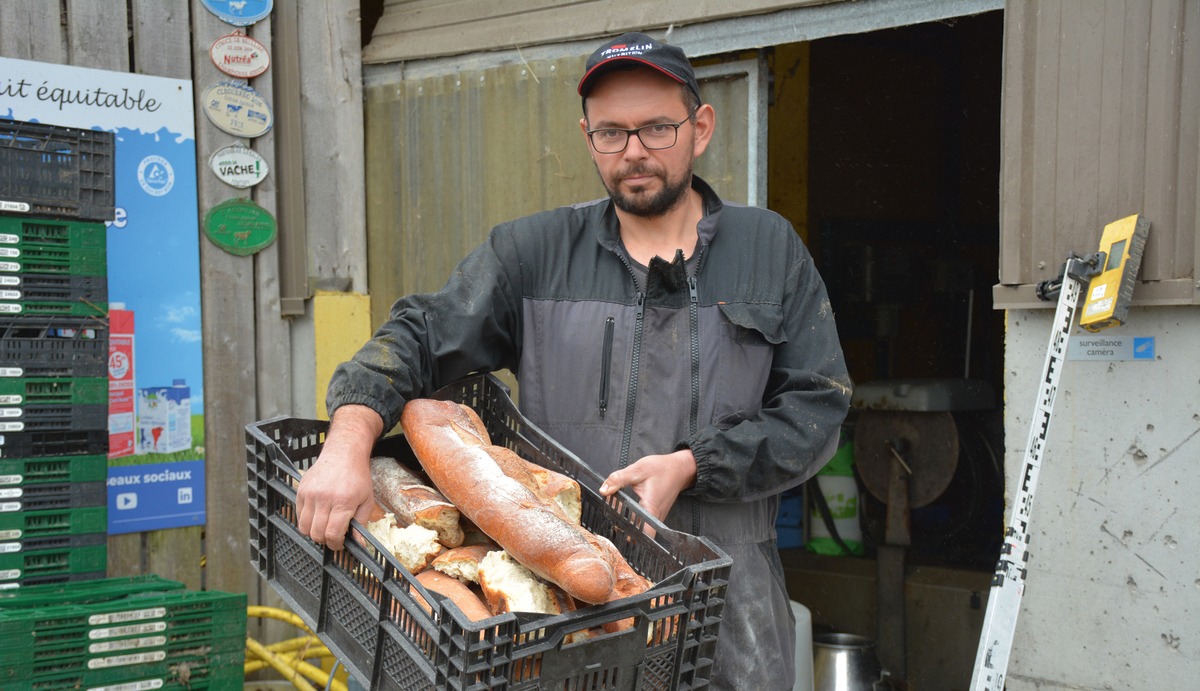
x=640, y=181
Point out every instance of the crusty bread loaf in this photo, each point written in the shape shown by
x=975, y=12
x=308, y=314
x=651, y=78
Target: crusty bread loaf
x=463, y=562
x=413, y=546
x=412, y=501
x=548, y=483
x=629, y=583
x=466, y=599
x=535, y=532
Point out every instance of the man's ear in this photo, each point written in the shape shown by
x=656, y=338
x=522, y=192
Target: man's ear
x=587, y=143
x=705, y=121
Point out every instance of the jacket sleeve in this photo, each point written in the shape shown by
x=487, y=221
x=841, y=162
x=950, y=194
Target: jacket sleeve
x=429, y=340
x=796, y=431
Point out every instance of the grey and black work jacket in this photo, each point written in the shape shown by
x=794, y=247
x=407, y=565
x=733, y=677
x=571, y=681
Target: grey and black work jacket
x=733, y=354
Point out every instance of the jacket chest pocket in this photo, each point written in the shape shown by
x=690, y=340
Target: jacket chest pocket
x=747, y=338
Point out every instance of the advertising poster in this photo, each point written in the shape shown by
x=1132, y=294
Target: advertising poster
x=156, y=395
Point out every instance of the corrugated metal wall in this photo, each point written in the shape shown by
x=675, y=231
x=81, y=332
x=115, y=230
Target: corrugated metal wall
x=450, y=156
x=1101, y=119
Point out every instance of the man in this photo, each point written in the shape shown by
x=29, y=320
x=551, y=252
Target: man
x=684, y=347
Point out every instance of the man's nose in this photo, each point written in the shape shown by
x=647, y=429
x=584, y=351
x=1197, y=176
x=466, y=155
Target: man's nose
x=634, y=148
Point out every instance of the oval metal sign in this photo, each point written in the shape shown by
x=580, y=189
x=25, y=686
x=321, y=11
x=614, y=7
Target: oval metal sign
x=238, y=166
x=237, y=109
x=239, y=12
x=239, y=226
x=238, y=55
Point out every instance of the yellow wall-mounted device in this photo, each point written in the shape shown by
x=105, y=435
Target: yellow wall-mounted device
x=1110, y=292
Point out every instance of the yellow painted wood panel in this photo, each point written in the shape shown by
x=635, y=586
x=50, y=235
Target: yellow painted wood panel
x=341, y=324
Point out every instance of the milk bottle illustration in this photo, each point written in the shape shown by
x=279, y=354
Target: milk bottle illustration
x=165, y=418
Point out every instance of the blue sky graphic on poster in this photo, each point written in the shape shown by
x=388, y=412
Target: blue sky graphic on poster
x=153, y=269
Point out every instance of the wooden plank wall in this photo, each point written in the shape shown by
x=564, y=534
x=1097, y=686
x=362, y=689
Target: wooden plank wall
x=1101, y=119
x=249, y=356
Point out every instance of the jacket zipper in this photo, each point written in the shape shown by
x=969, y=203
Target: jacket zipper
x=605, y=364
x=631, y=398
x=694, y=333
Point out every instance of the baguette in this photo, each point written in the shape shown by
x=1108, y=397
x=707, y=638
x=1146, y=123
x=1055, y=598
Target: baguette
x=400, y=491
x=629, y=583
x=548, y=483
x=466, y=599
x=535, y=532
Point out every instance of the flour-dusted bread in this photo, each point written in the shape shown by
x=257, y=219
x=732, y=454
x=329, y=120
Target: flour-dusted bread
x=536, y=532
x=549, y=484
x=413, y=501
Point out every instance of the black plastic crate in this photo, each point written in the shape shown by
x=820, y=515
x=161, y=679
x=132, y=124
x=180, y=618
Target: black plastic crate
x=58, y=171
x=86, y=290
x=53, y=347
x=53, y=418
x=363, y=604
x=48, y=444
x=54, y=496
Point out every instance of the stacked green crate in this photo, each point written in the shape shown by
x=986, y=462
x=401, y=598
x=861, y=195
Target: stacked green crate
x=53, y=352
x=144, y=632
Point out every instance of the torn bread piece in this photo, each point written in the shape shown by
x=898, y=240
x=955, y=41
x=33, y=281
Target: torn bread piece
x=413, y=546
x=463, y=562
x=510, y=587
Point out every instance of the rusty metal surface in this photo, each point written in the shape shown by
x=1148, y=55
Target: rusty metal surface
x=927, y=443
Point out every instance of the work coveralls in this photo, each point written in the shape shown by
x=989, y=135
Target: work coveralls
x=733, y=354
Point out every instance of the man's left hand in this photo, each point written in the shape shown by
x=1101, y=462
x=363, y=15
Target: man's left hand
x=657, y=480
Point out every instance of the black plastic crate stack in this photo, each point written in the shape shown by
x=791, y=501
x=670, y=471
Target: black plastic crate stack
x=56, y=192
x=140, y=632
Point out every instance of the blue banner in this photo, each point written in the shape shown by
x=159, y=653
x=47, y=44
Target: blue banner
x=156, y=397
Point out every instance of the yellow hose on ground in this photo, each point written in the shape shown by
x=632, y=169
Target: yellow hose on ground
x=314, y=652
x=288, y=657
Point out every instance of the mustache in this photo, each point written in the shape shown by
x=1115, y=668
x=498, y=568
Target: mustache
x=638, y=170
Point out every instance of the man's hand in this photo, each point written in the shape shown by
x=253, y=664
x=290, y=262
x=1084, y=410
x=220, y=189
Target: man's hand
x=657, y=480
x=338, y=485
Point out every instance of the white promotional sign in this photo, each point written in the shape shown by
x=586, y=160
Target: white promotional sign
x=238, y=166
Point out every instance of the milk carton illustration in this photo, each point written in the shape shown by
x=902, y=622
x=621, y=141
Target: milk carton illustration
x=165, y=418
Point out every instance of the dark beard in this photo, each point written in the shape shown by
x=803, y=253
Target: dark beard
x=657, y=205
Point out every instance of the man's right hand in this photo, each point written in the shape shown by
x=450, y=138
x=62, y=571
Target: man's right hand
x=338, y=485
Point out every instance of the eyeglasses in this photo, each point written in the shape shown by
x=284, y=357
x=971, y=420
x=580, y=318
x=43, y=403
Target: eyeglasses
x=613, y=140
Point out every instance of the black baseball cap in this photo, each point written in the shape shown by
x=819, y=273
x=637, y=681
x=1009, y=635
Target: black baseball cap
x=636, y=48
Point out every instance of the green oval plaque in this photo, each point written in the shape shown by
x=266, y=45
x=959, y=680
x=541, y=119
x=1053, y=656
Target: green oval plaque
x=239, y=226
